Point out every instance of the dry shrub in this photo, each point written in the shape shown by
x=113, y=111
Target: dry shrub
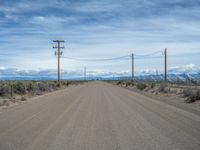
x=19, y=88
x=163, y=88
x=153, y=85
x=4, y=103
x=23, y=98
x=119, y=82
x=192, y=95
x=129, y=83
x=4, y=90
x=141, y=86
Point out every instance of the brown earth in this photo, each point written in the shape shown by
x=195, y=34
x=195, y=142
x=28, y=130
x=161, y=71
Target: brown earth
x=98, y=116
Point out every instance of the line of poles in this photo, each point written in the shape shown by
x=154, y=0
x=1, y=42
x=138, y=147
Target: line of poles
x=165, y=65
x=58, y=53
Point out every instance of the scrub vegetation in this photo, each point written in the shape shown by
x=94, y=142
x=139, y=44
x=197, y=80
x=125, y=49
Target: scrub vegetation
x=13, y=91
x=191, y=93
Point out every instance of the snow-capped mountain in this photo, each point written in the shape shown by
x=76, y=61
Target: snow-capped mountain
x=183, y=73
x=171, y=77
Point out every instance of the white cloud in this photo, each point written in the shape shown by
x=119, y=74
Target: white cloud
x=38, y=19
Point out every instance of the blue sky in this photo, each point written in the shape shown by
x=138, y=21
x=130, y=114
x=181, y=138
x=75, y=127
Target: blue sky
x=98, y=29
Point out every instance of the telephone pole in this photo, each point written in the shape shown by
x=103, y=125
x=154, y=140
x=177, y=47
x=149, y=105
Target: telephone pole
x=133, y=67
x=85, y=73
x=165, y=53
x=58, y=53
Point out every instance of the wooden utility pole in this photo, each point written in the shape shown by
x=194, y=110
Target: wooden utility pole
x=85, y=73
x=133, y=67
x=11, y=90
x=58, y=53
x=165, y=53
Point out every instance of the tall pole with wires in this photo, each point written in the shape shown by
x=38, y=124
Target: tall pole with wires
x=85, y=73
x=165, y=53
x=58, y=53
x=133, y=67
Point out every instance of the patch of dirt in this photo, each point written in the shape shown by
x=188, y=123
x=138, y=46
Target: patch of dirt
x=172, y=96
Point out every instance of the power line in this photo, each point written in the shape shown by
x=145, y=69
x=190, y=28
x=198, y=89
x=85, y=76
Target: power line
x=150, y=57
x=150, y=54
x=126, y=57
x=137, y=56
x=93, y=60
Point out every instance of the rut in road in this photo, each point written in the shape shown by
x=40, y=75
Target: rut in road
x=98, y=116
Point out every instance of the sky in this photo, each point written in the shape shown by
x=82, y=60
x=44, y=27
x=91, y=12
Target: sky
x=94, y=29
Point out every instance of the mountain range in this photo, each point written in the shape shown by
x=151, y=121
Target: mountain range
x=189, y=72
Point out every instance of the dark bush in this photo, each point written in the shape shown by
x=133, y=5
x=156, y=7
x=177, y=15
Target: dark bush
x=4, y=90
x=119, y=82
x=52, y=86
x=141, y=86
x=19, y=88
x=66, y=83
x=23, y=98
x=153, y=85
x=187, y=92
x=30, y=87
x=42, y=87
x=162, y=88
x=129, y=83
x=192, y=95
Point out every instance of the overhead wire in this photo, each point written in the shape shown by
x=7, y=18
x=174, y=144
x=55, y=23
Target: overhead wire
x=103, y=59
x=150, y=54
x=125, y=57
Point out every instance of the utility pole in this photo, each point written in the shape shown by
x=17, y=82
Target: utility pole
x=61, y=74
x=11, y=90
x=133, y=67
x=85, y=73
x=58, y=53
x=165, y=53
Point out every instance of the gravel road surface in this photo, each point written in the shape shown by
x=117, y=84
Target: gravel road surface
x=97, y=116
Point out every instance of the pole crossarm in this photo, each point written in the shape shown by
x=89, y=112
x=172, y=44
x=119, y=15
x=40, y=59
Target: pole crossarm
x=58, y=41
x=58, y=47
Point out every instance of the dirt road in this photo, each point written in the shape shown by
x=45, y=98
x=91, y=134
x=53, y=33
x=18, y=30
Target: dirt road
x=97, y=116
